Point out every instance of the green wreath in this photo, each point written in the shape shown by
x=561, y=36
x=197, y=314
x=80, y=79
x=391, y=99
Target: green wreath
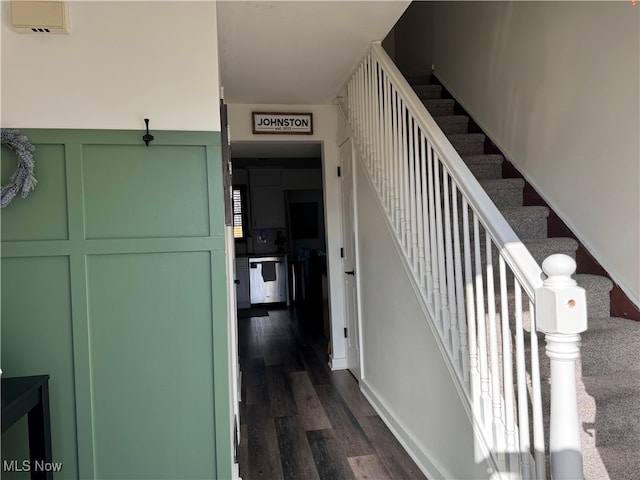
x=22, y=179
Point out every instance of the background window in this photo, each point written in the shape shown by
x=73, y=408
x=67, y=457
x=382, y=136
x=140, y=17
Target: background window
x=239, y=212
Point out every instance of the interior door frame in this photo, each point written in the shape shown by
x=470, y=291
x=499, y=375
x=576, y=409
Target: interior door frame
x=232, y=316
x=356, y=264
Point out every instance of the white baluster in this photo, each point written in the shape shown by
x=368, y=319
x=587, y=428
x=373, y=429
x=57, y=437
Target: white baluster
x=536, y=401
x=380, y=119
x=507, y=367
x=370, y=132
x=360, y=126
x=451, y=289
x=474, y=372
x=521, y=373
x=397, y=163
x=444, y=308
x=423, y=239
x=377, y=136
x=406, y=235
x=562, y=316
x=496, y=394
x=463, y=354
x=387, y=146
x=433, y=239
x=481, y=322
x=411, y=160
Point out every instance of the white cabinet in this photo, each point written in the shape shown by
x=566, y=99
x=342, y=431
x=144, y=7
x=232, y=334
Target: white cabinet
x=243, y=288
x=267, y=198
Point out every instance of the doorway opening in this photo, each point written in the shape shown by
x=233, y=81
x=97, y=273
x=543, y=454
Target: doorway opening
x=279, y=229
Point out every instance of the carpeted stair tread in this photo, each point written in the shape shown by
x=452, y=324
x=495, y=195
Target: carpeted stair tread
x=505, y=192
x=528, y=222
x=621, y=381
x=586, y=280
x=484, y=166
x=428, y=91
x=540, y=249
x=617, y=419
x=610, y=345
x=451, y=124
x=467, y=143
x=619, y=463
x=439, y=106
x=598, y=297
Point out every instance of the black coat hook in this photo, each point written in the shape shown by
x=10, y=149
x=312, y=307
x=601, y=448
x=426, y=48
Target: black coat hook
x=147, y=137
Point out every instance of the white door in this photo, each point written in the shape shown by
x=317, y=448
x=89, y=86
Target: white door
x=348, y=261
x=243, y=292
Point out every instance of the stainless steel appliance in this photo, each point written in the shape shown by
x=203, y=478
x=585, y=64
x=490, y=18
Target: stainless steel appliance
x=268, y=279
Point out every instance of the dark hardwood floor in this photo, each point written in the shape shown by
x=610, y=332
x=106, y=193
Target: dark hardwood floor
x=300, y=420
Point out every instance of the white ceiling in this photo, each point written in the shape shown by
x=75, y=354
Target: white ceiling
x=296, y=52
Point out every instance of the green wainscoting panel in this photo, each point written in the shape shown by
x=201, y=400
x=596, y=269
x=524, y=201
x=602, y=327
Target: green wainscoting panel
x=114, y=283
x=48, y=199
x=36, y=339
x=150, y=332
x=136, y=191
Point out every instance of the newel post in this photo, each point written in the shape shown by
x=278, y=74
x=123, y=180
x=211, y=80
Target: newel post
x=561, y=313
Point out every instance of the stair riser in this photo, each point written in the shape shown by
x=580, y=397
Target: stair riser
x=426, y=92
x=437, y=110
x=484, y=172
x=469, y=148
x=531, y=227
x=504, y=197
x=453, y=127
x=418, y=78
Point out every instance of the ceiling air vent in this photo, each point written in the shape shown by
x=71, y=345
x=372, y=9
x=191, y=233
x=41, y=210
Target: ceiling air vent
x=39, y=17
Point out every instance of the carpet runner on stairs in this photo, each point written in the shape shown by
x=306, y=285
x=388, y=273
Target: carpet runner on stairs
x=609, y=385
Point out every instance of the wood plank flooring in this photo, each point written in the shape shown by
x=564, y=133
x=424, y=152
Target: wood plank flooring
x=299, y=420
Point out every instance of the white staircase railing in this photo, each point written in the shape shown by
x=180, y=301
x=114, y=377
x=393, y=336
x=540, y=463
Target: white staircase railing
x=480, y=284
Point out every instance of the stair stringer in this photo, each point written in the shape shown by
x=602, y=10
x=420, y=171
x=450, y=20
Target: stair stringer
x=372, y=217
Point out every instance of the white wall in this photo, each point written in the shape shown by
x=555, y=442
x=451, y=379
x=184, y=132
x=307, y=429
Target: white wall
x=555, y=84
x=122, y=62
x=403, y=371
x=325, y=132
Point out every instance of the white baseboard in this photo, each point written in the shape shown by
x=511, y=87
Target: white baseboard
x=413, y=448
x=338, y=363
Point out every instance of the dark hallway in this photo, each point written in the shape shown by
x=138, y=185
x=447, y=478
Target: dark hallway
x=299, y=419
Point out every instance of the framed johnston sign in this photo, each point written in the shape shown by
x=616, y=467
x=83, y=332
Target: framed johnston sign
x=283, y=123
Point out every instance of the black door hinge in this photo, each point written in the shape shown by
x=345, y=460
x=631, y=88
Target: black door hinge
x=341, y=252
x=339, y=172
x=345, y=332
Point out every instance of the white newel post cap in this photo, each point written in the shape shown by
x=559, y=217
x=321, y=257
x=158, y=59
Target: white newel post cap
x=561, y=305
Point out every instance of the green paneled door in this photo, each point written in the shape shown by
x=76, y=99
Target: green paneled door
x=113, y=283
